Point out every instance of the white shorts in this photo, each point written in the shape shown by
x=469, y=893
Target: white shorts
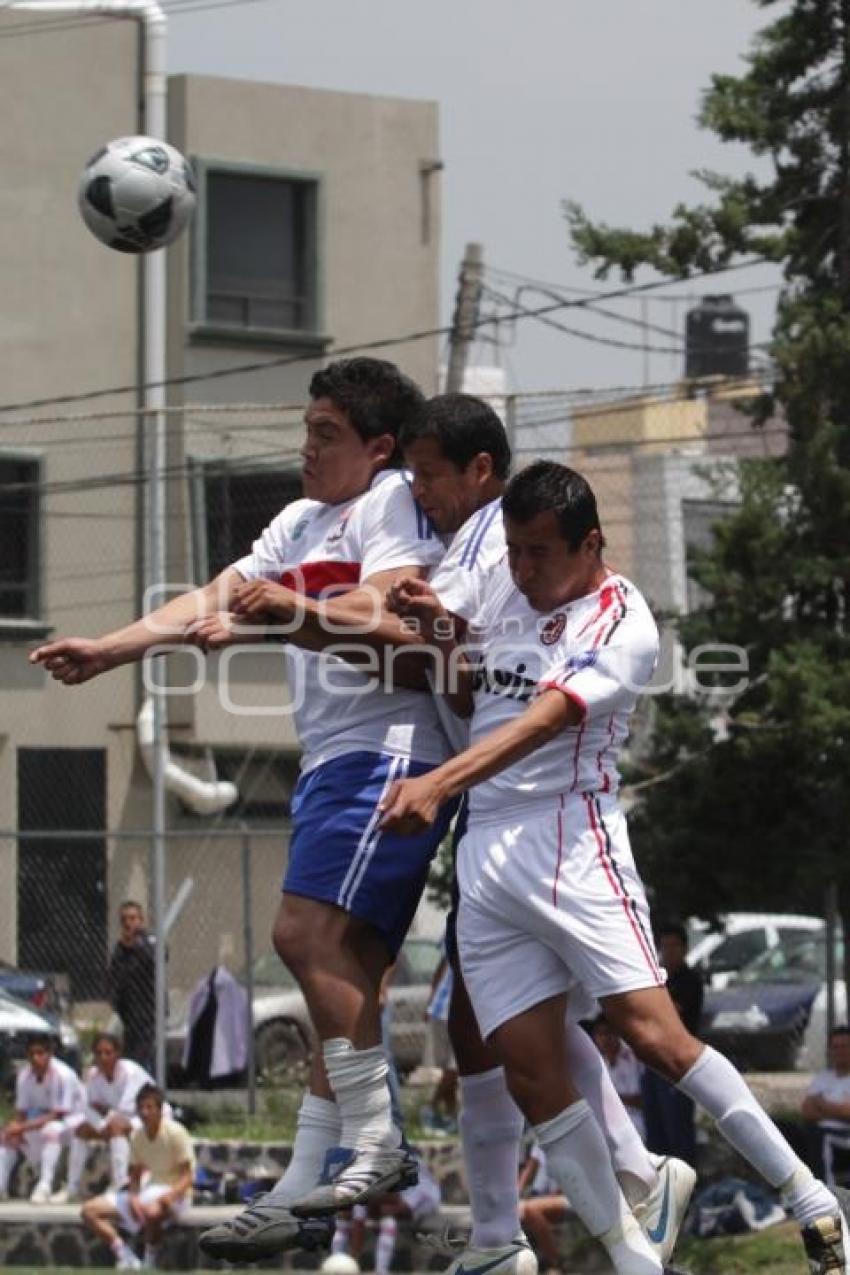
x=121, y=1200
x=549, y=903
x=98, y=1121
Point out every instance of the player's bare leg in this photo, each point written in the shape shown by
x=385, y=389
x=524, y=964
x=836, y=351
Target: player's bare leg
x=648, y=1021
x=100, y=1216
x=532, y=1046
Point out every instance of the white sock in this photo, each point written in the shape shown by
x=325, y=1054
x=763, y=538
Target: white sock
x=8, y=1156
x=318, y=1129
x=119, y=1160
x=491, y=1126
x=631, y=1160
x=719, y=1089
x=385, y=1246
x=358, y=1078
x=578, y=1160
x=342, y=1234
x=50, y=1153
x=77, y=1156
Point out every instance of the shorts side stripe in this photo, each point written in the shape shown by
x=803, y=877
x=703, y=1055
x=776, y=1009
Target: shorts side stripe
x=617, y=885
x=560, y=850
x=369, y=839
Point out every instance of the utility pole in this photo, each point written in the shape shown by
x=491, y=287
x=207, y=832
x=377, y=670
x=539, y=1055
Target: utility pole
x=465, y=320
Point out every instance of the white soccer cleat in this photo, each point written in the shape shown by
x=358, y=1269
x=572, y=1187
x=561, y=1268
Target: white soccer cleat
x=41, y=1194
x=516, y=1258
x=663, y=1211
x=128, y=1262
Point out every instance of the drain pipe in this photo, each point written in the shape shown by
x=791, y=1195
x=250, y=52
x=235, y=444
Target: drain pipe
x=202, y=796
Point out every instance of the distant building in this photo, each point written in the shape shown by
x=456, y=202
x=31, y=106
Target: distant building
x=318, y=228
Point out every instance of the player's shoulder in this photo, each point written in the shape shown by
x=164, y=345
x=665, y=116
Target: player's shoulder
x=294, y=519
x=63, y=1069
x=481, y=540
x=389, y=502
x=620, y=592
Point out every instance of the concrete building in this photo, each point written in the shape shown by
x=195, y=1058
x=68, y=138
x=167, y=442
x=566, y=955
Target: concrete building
x=317, y=228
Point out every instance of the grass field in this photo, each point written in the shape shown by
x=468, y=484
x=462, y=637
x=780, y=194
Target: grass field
x=777, y=1250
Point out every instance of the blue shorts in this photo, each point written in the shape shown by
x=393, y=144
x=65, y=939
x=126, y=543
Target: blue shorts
x=339, y=855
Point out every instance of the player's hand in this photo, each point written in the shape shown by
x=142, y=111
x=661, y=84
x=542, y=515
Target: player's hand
x=412, y=598
x=72, y=660
x=411, y=806
x=14, y=1131
x=214, y=632
x=137, y=1208
x=261, y=600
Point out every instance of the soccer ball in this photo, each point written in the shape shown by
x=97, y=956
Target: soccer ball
x=340, y=1264
x=137, y=194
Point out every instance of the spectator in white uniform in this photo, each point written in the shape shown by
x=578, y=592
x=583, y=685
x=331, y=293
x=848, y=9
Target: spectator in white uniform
x=110, y=1116
x=827, y=1103
x=49, y=1103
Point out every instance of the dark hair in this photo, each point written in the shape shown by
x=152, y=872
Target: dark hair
x=130, y=903
x=678, y=931
x=463, y=426
x=150, y=1091
x=39, y=1039
x=374, y=394
x=546, y=485
x=110, y=1038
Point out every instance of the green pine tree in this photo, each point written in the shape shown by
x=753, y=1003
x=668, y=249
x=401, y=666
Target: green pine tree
x=758, y=814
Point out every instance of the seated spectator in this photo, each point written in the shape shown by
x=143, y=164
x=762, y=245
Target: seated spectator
x=624, y=1069
x=162, y=1164
x=417, y=1203
x=49, y=1103
x=111, y=1088
x=827, y=1103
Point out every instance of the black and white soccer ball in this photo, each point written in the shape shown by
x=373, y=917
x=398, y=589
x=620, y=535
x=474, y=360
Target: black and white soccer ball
x=137, y=194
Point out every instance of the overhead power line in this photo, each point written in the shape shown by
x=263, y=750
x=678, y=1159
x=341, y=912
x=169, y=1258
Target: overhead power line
x=383, y=343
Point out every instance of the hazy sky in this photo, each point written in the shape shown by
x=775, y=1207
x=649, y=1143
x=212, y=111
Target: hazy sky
x=594, y=100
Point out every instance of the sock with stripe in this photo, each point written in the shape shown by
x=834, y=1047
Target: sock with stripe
x=719, y=1089
x=578, y=1160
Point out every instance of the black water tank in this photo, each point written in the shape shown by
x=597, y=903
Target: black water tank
x=717, y=338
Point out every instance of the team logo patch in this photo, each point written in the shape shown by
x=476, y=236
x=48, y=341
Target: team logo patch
x=553, y=628
x=339, y=530
x=300, y=527
x=585, y=660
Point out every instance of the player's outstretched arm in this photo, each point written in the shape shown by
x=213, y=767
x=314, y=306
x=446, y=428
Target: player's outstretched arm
x=412, y=805
x=73, y=661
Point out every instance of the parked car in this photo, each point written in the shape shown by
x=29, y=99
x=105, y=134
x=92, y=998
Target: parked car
x=772, y=1015
x=283, y=1037
x=43, y=991
x=18, y=1020
x=741, y=937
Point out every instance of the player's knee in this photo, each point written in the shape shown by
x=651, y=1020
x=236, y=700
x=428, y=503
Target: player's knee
x=670, y=1053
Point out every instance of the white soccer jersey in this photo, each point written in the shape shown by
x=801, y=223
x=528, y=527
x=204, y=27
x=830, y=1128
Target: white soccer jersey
x=119, y=1093
x=60, y=1090
x=600, y=650
x=320, y=549
x=460, y=582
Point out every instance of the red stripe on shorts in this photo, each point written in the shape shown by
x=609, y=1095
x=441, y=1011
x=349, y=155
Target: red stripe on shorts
x=619, y=890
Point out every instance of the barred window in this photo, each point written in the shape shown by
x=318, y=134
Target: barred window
x=19, y=538
x=232, y=506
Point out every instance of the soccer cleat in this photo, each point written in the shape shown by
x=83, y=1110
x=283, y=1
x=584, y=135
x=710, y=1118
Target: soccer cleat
x=263, y=1229
x=663, y=1211
x=127, y=1261
x=41, y=1194
x=352, y=1177
x=516, y=1258
x=827, y=1240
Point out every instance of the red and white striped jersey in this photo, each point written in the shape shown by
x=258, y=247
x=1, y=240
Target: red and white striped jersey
x=321, y=550
x=600, y=650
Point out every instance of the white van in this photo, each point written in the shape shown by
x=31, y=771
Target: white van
x=743, y=935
